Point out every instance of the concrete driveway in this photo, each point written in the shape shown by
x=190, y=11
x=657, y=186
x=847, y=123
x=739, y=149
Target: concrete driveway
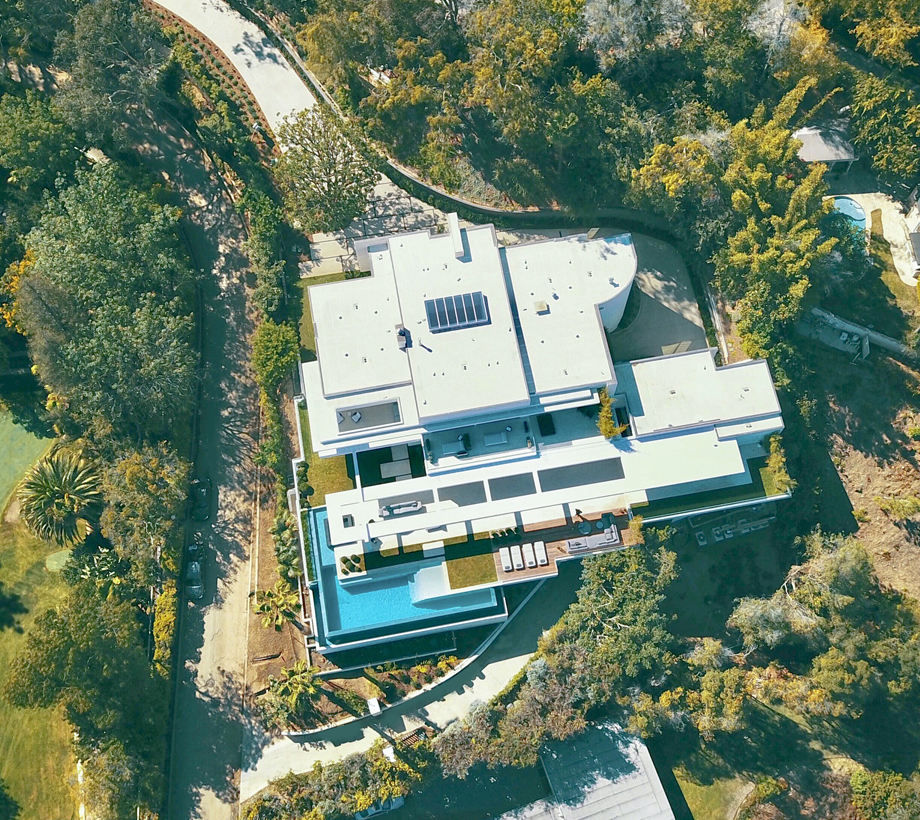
x=669, y=318
x=273, y=82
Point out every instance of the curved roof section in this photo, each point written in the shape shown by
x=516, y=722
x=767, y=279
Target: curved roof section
x=566, y=290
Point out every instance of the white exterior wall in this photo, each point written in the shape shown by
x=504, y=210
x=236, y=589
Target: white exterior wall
x=612, y=311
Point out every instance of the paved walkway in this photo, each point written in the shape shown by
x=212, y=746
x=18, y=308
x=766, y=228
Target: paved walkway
x=274, y=83
x=439, y=707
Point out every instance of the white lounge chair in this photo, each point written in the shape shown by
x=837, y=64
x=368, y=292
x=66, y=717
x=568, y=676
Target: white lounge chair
x=505, y=554
x=529, y=558
x=540, y=549
x=516, y=557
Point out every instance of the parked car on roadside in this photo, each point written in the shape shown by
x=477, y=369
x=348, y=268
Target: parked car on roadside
x=381, y=807
x=200, y=498
x=195, y=547
x=194, y=580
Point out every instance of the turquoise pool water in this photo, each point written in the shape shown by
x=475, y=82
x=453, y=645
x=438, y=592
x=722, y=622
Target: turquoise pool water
x=368, y=609
x=851, y=209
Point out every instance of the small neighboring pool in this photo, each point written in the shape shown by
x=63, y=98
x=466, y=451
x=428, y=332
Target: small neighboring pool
x=374, y=609
x=852, y=210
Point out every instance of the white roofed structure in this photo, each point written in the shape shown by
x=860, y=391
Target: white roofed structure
x=570, y=292
x=462, y=380
x=687, y=390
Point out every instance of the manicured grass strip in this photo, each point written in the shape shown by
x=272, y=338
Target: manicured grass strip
x=36, y=762
x=905, y=296
x=718, y=798
x=469, y=567
x=21, y=449
x=324, y=475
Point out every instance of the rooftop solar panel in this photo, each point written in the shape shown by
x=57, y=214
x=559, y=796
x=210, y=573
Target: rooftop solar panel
x=455, y=312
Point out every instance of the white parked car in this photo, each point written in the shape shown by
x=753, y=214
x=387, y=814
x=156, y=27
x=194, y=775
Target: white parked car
x=381, y=807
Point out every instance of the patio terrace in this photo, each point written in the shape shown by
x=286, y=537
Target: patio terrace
x=555, y=534
x=480, y=443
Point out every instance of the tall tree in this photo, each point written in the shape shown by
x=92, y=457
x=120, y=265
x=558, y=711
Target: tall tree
x=106, y=306
x=324, y=170
x=275, y=354
x=886, y=123
x=61, y=492
x=114, y=55
x=36, y=145
x=145, y=493
x=86, y=656
x=277, y=605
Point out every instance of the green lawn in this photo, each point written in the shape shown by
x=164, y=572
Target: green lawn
x=470, y=564
x=36, y=763
x=879, y=299
x=325, y=475
x=35, y=758
x=20, y=450
x=719, y=798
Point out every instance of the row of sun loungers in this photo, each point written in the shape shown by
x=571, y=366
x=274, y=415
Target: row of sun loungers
x=520, y=555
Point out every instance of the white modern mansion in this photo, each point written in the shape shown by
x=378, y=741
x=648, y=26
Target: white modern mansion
x=463, y=381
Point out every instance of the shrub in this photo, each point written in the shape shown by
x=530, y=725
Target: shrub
x=606, y=419
x=914, y=432
x=271, y=454
x=764, y=790
x=899, y=508
x=776, y=463
x=883, y=796
x=352, y=701
x=165, y=611
x=287, y=546
x=635, y=527
x=275, y=353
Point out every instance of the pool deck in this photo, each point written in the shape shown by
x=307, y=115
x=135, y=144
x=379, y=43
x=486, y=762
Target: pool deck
x=555, y=535
x=894, y=225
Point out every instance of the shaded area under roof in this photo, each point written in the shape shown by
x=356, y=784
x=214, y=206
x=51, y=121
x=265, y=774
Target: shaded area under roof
x=828, y=142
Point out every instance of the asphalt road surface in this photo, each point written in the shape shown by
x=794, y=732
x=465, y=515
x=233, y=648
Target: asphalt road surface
x=210, y=723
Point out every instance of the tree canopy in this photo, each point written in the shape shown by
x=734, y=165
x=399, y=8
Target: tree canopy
x=107, y=303
x=146, y=494
x=324, y=170
x=114, y=54
x=86, y=655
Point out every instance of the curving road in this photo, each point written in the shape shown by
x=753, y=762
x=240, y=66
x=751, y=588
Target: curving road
x=276, y=86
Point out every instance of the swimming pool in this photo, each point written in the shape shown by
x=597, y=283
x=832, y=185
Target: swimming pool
x=373, y=609
x=851, y=209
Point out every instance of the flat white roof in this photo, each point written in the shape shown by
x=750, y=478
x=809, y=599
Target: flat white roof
x=688, y=390
x=356, y=323
x=826, y=143
x=454, y=372
x=470, y=369
x=562, y=287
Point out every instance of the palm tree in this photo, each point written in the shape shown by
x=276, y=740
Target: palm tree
x=277, y=605
x=296, y=687
x=57, y=493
